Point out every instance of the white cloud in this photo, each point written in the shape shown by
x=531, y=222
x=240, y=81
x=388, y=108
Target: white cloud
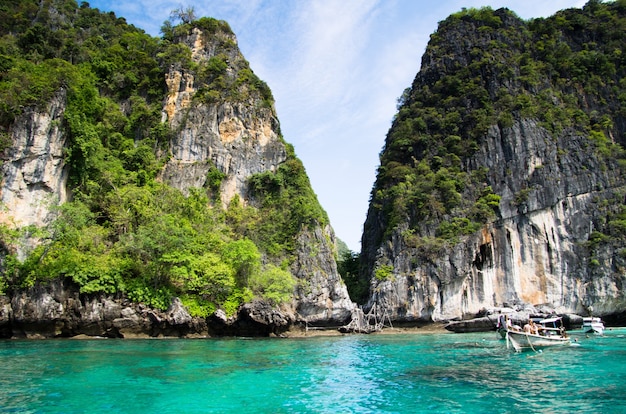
x=331, y=39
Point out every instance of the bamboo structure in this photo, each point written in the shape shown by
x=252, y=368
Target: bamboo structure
x=367, y=323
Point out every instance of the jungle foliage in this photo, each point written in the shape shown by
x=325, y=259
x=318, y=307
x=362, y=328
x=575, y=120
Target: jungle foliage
x=563, y=71
x=348, y=268
x=125, y=232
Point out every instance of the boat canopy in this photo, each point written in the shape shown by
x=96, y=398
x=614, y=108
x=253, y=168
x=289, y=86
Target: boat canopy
x=550, y=320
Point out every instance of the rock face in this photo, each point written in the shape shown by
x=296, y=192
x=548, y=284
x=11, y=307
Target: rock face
x=237, y=138
x=323, y=297
x=34, y=175
x=533, y=254
x=58, y=310
x=557, y=192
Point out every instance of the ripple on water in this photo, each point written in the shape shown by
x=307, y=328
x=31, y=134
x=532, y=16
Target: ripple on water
x=464, y=373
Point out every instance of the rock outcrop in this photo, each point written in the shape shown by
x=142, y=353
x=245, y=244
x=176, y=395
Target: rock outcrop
x=34, y=174
x=254, y=319
x=58, y=310
x=322, y=297
x=558, y=191
x=240, y=139
x=222, y=129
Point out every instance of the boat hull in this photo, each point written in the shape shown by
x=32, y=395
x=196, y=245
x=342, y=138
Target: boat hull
x=593, y=330
x=593, y=325
x=521, y=341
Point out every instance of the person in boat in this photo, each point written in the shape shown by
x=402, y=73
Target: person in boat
x=533, y=328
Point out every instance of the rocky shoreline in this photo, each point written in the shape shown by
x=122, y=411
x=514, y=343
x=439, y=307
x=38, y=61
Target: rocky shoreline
x=60, y=311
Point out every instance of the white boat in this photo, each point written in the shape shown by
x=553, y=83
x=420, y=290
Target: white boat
x=593, y=325
x=546, y=333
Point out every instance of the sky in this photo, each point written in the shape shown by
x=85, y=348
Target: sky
x=336, y=69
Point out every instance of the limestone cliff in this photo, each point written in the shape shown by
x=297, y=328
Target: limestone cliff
x=499, y=184
x=237, y=137
x=240, y=137
x=97, y=139
x=34, y=174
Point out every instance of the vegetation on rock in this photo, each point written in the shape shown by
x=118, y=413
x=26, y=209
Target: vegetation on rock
x=348, y=268
x=125, y=232
x=486, y=68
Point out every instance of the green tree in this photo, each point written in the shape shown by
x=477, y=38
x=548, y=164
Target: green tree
x=273, y=284
x=243, y=255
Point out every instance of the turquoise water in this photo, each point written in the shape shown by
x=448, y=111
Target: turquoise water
x=404, y=373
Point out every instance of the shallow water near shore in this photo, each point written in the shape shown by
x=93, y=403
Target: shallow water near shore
x=404, y=373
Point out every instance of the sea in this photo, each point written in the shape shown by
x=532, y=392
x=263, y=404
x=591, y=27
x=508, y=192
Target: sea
x=377, y=373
